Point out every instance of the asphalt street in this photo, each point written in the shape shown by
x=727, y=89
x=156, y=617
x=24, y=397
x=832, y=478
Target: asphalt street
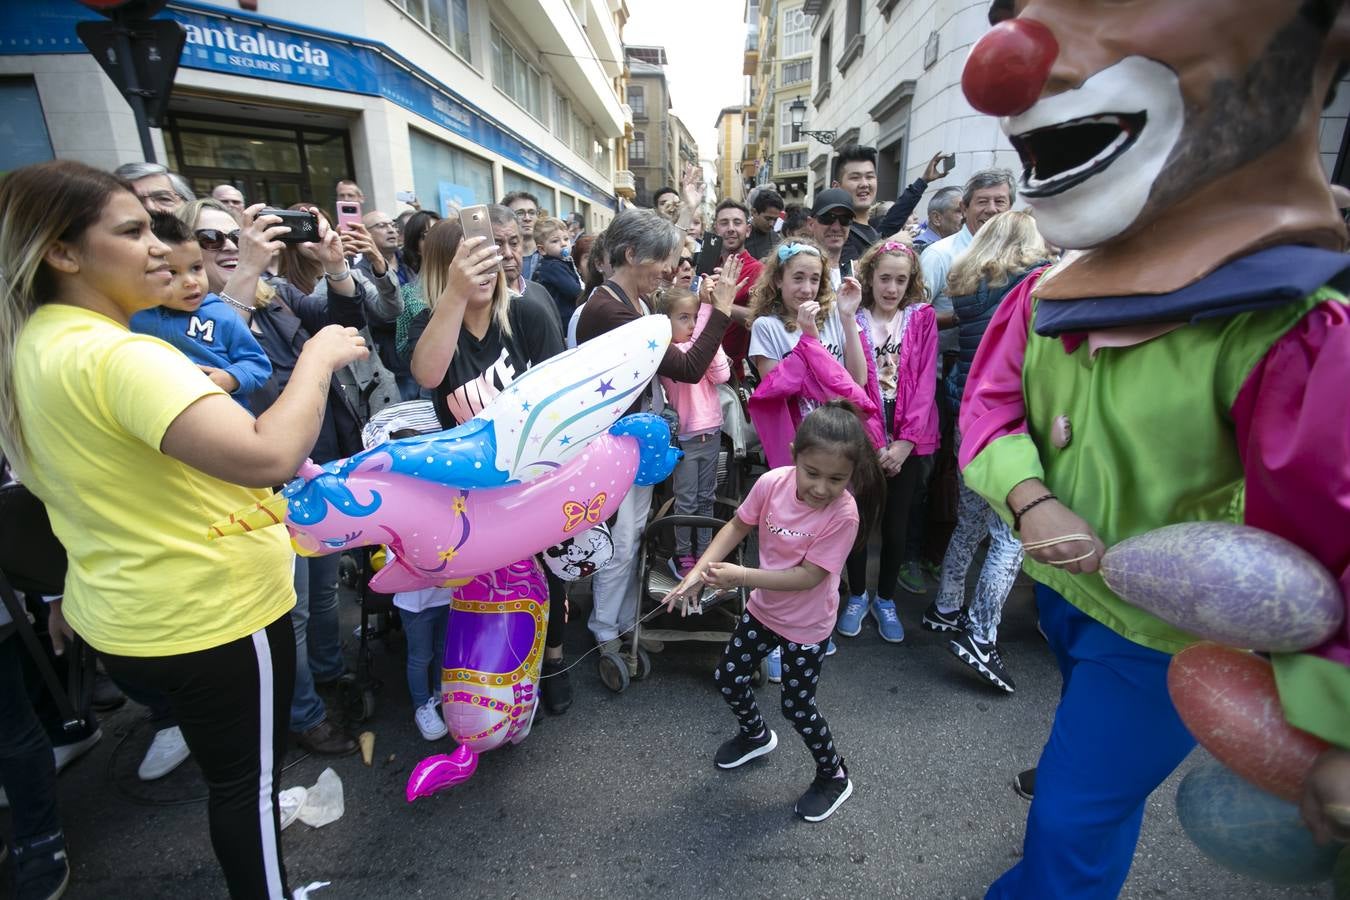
x=619, y=796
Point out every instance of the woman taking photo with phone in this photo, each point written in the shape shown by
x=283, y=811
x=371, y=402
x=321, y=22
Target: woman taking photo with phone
x=135, y=451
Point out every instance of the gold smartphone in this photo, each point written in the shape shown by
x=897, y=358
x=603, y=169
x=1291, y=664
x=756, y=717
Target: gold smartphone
x=476, y=222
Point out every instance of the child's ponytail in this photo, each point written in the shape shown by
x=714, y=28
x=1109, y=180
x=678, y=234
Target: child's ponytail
x=837, y=427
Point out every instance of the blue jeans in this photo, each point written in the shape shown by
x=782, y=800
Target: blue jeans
x=318, y=638
x=1115, y=738
x=425, y=634
x=27, y=767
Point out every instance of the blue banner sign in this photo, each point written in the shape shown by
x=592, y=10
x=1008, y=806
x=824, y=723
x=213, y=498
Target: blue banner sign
x=257, y=47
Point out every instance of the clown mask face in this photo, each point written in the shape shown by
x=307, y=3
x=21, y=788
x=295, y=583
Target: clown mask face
x=1142, y=103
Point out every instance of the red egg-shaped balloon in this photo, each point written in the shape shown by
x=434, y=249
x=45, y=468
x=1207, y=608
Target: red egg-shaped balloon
x=1008, y=67
x=1227, y=699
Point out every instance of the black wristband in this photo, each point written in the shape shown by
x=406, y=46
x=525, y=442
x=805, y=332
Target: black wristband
x=1019, y=513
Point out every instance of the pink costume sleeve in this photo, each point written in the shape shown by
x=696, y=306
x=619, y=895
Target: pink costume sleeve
x=916, y=417
x=1292, y=422
x=996, y=452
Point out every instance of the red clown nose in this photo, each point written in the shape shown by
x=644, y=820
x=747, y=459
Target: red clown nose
x=1008, y=67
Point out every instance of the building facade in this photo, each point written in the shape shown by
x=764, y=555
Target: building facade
x=782, y=65
x=887, y=73
x=730, y=151
x=654, y=148
x=455, y=101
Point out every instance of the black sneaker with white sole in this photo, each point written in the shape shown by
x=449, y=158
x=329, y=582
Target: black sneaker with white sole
x=983, y=658
x=823, y=797
x=941, y=622
x=741, y=749
x=1024, y=784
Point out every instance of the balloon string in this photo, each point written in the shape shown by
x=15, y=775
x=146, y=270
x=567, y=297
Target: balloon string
x=660, y=607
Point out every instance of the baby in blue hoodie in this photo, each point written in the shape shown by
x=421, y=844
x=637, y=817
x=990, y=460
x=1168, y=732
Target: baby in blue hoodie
x=199, y=323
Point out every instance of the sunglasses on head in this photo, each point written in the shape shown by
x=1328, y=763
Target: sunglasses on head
x=214, y=238
x=686, y=260
x=834, y=218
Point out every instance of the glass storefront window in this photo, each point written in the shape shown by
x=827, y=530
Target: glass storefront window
x=23, y=130
x=268, y=163
x=446, y=178
x=514, y=181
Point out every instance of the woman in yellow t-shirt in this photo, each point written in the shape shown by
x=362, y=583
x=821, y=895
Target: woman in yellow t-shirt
x=135, y=452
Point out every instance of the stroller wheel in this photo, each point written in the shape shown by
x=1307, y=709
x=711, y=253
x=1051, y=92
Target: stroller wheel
x=349, y=572
x=613, y=672
x=356, y=699
x=760, y=676
x=644, y=664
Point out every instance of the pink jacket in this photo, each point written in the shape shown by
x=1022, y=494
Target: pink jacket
x=809, y=372
x=916, y=415
x=699, y=406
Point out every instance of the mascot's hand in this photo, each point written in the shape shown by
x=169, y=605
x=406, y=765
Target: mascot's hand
x=1047, y=524
x=1326, y=797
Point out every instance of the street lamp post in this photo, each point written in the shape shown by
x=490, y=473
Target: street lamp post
x=797, y=109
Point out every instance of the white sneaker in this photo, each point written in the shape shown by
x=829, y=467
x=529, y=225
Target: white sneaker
x=429, y=719
x=68, y=753
x=167, y=752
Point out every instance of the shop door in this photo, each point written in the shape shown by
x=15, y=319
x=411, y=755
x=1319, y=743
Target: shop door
x=269, y=163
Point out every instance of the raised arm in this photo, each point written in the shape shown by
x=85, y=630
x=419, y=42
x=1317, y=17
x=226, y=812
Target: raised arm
x=436, y=346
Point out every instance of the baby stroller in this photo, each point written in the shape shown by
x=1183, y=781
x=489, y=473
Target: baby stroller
x=356, y=692
x=720, y=609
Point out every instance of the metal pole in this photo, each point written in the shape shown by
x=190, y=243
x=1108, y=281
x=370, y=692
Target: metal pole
x=135, y=94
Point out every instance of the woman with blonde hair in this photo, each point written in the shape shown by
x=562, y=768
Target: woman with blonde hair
x=472, y=337
x=134, y=451
x=1005, y=250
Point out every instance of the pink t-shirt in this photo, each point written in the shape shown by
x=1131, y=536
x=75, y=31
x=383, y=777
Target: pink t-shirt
x=790, y=531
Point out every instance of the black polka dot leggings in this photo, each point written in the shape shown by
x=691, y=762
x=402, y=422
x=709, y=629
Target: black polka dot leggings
x=748, y=646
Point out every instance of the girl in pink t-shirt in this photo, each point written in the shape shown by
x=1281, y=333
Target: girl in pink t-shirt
x=808, y=522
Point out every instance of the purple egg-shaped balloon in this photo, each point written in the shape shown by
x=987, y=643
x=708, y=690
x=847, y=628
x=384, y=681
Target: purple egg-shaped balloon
x=1229, y=583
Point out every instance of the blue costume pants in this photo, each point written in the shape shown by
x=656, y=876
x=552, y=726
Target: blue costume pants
x=1115, y=738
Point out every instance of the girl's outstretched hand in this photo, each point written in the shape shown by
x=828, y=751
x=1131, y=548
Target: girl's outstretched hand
x=724, y=575
x=686, y=591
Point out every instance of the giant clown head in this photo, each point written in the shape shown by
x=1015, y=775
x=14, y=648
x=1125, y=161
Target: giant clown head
x=1189, y=126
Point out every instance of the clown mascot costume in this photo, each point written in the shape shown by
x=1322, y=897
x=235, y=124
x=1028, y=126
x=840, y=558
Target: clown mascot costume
x=1186, y=361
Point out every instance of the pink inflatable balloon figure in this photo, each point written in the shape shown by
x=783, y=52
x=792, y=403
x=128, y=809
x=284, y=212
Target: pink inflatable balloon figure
x=494, y=647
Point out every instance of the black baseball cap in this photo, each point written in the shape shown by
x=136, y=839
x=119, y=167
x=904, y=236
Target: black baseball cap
x=831, y=199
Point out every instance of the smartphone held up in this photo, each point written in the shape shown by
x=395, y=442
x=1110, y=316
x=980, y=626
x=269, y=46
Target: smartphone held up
x=303, y=225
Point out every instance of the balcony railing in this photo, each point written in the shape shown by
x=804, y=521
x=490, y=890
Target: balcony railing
x=624, y=183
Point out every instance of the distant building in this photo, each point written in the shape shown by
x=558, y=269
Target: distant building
x=730, y=147
x=779, y=63
x=654, y=152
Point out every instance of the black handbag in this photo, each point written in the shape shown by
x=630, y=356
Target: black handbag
x=33, y=562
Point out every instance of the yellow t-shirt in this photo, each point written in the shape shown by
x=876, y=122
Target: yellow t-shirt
x=94, y=403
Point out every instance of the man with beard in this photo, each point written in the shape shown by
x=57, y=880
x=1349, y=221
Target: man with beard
x=732, y=225
x=1186, y=363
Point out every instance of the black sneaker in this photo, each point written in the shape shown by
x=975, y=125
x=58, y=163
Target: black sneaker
x=741, y=749
x=983, y=658
x=936, y=620
x=555, y=687
x=1025, y=784
x=41, y=869
x=823, y=797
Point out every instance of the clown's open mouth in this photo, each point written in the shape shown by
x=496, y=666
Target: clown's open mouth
x=1059, y=157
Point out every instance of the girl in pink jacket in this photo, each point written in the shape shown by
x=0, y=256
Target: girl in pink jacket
x=700, y=432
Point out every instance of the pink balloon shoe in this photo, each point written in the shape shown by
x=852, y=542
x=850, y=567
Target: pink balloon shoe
x=439, y=772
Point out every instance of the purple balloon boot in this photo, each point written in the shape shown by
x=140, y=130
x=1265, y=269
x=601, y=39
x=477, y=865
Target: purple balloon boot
x=439, y=772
